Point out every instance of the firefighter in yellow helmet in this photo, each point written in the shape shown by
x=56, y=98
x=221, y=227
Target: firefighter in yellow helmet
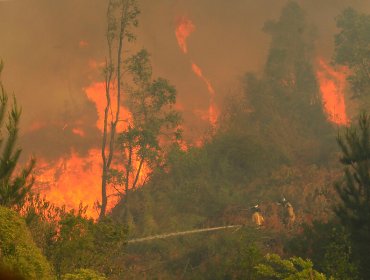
x=289, y=215
x=257, y=217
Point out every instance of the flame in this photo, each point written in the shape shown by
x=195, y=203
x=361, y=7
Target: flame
x=36, y=125
x=332, y=87
x=96, y=94
x=183, y=30
x=74, y=178
x=212, y=110
x=78, y=131
x=83, y=44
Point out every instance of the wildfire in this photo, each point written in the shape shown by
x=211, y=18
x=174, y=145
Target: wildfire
x=78, y=131
x=96, y=94
x=74, y=178
x=332, y=87
x=183, y=30
x=212, y=110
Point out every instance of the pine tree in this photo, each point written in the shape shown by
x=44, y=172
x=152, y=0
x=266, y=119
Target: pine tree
x=13, y=187
x=354, y=191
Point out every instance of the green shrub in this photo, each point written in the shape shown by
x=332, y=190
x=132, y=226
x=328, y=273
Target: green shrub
x=18, y=251
x=83, y=274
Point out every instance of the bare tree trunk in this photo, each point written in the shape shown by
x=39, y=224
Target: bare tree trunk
x=138, y=173
x=107, y=159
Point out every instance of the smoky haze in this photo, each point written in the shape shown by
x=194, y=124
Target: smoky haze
x=51, y=50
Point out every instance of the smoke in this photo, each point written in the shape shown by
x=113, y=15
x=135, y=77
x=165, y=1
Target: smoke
x=52, y=50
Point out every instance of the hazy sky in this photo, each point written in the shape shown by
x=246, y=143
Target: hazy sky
x=49, y=49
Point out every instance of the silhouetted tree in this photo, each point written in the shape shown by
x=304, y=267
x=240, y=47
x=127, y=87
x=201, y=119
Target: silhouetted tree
x=354, y=191
x=153, y=123
x=122, y=17
x=286, y=99
x=13, y=187
x=352, y=49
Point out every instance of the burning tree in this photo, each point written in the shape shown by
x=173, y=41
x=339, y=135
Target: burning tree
x=13, y=188
x=286, y=99
x=153, y=122
x=150, y=119
x=122, y=17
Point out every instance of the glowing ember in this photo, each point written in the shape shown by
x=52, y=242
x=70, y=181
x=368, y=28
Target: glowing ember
x=332, y=88
x=78, y=132
x=95, y=65
x=36, y=126
x=83, y=44
x=183, y=30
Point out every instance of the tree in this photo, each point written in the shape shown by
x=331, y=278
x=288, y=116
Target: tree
x=352, y=49
x=13, y=188
x=71, y=241
x=153, y=120
x=293, y=269
x=285, y=104
x=328, y=245
x=83, y=274
x=18, y=252
x=122, y=17
x=354, y=191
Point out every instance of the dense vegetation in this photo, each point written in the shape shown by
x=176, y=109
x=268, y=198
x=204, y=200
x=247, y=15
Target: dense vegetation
x=17, y=249
x=272, y=141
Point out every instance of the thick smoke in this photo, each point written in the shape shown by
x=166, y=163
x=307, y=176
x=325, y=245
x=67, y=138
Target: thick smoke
x=51, y=50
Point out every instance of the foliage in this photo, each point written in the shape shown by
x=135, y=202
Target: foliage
x=354, y=190
x=283, y=108
x=272, y=140
x=83, y=274
x=242, y=264
x=337, y=259
x=122, y=18
x=328, y=246
x=294, y=268
x=153, y=123
x=13, y=188
x=352, y=49
x=224, y=254
x=18, y=252
x=71, y=241
x=152, y=119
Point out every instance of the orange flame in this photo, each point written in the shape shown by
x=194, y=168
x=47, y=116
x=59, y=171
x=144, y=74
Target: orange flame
x=96, y=94
x=78, y=131
x=71, y=181
x=75, y=178
x=183, y=30
x=332, y=87
x=212, y=110
x=37, y=125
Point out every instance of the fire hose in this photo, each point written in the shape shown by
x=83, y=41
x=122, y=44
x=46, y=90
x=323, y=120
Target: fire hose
x=172, y=234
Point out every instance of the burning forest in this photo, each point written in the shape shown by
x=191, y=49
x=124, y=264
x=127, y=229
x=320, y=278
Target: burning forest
x=180, y=139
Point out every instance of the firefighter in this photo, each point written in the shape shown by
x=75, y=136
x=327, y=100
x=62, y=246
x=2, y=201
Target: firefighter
x=257, y=217
x=289, y=216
